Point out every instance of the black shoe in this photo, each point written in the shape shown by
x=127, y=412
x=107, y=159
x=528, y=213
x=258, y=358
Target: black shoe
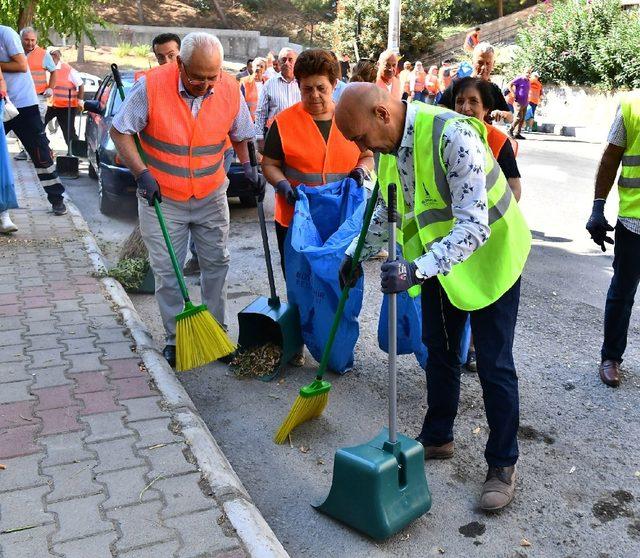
x=59, y=208
x=169, y=353
x=520, y=137
x=192, y=267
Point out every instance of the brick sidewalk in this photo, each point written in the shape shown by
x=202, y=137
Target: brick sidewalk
x=94, y=466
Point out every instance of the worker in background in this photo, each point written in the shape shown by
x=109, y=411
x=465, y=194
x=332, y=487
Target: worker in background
x=340, y=85
x=345, y=68
x=166, y=48
x=431, y=84
x=40, y=62
x=251, y=85
x=535, y=94
x=183, y=114
x=246, y=71
x=482, y=62
x=464, y=246
x=471, y=40
x=271, y=70
x=418, y=83
x=444, y=76
x=67, y=97
x=405, y=78
x=387, y=69
x=622, y=152
x=7, y=191
x=303, y=146
x=364, y=70
x=520, y=87
x=28, y=125
x=279, y=93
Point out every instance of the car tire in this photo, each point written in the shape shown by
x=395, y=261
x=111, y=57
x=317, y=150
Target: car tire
x=107, y=205
x=92, y=171
x=248, y=201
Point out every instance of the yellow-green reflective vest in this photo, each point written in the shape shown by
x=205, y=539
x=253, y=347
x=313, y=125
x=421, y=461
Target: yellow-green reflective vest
x=629, y=181
x=492, y=269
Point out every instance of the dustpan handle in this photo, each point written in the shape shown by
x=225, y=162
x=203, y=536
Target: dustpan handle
x=263, y=231
x=393, y=315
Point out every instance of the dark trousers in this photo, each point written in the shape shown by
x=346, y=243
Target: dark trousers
x=493, y=331
x=622, y=291
x=62, y=115
x=281, y=235
x=30, y=131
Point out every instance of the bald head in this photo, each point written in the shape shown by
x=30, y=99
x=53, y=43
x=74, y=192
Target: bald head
x=369, y=116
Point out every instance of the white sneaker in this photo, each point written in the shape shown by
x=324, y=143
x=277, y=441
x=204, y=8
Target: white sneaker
x=6, y=224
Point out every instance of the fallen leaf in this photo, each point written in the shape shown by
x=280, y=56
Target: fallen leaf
x=476, y=430
x=319, y=462
x=304, y=449
x=2, y=466
x=441, y=550
x=525, y=542
x=220, y=520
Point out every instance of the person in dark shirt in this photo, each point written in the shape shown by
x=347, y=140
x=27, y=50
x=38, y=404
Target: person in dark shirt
x=482, y=62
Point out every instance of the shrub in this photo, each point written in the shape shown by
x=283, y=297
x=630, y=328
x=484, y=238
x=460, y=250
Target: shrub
x=123, y=49
x=582, y=43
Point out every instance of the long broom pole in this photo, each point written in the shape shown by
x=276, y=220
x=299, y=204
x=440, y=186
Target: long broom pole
x=393, y=323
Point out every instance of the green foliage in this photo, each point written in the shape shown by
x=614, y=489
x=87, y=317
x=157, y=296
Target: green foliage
x=366, y=21
x=580, y=43
x=123, y=49
x=130, y=272
x=67, y=17
x=473, y=12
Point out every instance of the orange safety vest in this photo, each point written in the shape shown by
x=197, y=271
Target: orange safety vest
x=36, y=65
x=250, y=94
x=405, y=80
x=496, y=140
x=307, y=158
x=396, y=90
x=139, y=73
x=535, y=91
x=431, y=84
x=64, y=85
x=444, y=80
x=419, y=84
x=185, y=154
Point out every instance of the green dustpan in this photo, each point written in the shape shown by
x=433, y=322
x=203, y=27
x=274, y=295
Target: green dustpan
x=380, y=487
x=268, y=320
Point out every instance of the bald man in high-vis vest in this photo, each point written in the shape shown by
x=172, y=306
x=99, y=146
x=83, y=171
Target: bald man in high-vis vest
x=464, y=246
x=183, y=114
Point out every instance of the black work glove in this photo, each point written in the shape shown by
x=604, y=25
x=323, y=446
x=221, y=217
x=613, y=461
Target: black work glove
x=345, y=270
x=285, y=189
x=359, y=175
x=398, y=276
x=257, y=180
x=598, y=226
x=148, y=187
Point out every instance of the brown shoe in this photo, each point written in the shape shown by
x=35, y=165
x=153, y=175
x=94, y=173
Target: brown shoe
x=498, y=488
x=610, y=372
x=445, y=451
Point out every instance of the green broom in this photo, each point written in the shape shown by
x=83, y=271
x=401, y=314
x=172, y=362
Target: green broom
x=200, y=339
x=313, y=398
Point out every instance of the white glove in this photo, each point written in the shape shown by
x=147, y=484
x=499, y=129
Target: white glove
x=48, y=92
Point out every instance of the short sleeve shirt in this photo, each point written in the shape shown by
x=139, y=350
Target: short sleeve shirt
x=48, y=63
x=20, y=88
x=499, y=102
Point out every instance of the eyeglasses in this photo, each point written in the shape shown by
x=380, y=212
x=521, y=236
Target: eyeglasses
x=198, y=82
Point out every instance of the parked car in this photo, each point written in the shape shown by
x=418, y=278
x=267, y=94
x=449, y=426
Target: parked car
x=115, y=181
x=91, y=84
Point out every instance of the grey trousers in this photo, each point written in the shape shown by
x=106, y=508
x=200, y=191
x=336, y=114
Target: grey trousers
x=208, y=222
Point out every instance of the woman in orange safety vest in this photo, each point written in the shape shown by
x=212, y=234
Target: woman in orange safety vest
x=419, y=83
x=251, y=86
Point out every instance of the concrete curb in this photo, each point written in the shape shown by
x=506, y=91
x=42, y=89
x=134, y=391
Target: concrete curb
x=258, y=538
x=582, y=133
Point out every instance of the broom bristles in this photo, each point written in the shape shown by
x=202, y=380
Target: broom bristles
x=303, y=410
x=200, y=339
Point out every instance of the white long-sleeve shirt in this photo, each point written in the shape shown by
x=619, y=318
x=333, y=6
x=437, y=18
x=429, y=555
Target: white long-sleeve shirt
x=277, y=95
x=463, y=154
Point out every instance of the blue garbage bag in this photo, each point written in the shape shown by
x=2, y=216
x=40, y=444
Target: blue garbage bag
x=326, y=219
x=7, y=189
x=529, y=114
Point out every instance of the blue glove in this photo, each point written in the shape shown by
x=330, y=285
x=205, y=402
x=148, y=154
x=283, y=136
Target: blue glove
x=598, y=226
x=148, y=187
x=398, y=276
x=359, y=175
x=257, y=180
x=285, y=189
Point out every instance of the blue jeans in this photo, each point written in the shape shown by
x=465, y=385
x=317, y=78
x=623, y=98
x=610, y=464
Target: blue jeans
x=622, y=291
x=493, y=331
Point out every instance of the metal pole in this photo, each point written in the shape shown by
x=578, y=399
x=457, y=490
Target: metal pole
x=393, y=37
x=393, y=316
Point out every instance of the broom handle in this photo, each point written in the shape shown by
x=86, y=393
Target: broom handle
x=163, y=227
x=263, y=231
x=393, y=324
x=345, y=291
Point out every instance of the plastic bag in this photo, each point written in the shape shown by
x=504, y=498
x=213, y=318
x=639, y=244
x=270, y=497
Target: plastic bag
x=7, y=188
x=10, y=111
x=326, y=220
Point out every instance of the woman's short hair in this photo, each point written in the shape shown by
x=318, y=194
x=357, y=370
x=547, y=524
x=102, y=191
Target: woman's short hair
x=483, y=87
x=365, y=70
x=317, y=62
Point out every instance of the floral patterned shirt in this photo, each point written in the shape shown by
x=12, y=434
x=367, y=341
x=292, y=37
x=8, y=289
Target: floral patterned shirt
x=463, y=154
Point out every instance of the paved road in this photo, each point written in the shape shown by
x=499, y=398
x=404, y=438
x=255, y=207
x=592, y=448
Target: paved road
x=578, y=488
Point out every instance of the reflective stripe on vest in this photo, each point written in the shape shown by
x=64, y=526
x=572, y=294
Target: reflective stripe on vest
x=496, y=265
x=63, y=87
x=185, y=154
x=629, y=181
x=308, y=159
x=36, y=66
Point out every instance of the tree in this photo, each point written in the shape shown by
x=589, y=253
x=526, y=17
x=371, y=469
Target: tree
x=365, y=22
x=313, y=11
x=66, y=17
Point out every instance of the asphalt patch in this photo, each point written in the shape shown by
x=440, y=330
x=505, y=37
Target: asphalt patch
x=473, y=529
x=612, y=507
x=530, y=433
x=633, y=530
